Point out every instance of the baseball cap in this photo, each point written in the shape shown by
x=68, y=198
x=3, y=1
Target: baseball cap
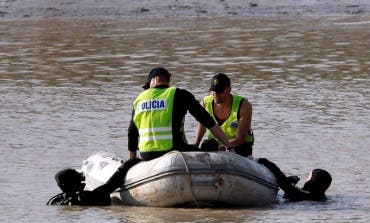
x=219, y=82
x=156, y=72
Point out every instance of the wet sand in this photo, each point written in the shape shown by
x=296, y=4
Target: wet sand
x=17, y=9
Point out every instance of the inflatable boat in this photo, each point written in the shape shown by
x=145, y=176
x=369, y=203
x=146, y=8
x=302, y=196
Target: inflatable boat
x=186, y=179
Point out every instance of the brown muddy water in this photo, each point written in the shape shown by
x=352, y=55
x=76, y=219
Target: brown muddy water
x=67, y=85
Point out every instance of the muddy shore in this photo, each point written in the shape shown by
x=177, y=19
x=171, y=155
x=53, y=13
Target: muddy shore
x=22, y=9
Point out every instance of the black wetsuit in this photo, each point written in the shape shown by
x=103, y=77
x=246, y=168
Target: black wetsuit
x=100, y=195
x=291, y=192
x=184, y=101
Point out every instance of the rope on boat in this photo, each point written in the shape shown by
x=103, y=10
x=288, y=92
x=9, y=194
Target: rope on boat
x=189, y=177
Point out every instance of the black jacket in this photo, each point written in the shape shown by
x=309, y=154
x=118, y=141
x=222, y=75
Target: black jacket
x=100, y=195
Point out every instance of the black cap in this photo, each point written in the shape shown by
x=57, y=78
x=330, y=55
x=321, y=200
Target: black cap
x=156, y=72
x=219, y=82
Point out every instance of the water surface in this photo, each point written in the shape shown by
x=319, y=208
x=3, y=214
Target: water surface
x=67, y=86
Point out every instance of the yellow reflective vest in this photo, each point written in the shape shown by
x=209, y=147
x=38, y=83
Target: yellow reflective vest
x=230, y=125
x=153, y=118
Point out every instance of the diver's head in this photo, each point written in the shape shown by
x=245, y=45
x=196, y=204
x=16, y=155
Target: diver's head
x=318, y=182
x=70, y=180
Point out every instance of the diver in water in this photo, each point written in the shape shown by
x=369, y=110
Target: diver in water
x=71, y=182
x=313, y=189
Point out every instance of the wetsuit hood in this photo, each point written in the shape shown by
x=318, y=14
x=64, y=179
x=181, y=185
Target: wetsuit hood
x=70, y=180
x=318, y=183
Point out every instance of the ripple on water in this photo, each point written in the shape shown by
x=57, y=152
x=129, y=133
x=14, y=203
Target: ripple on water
x=67, y=91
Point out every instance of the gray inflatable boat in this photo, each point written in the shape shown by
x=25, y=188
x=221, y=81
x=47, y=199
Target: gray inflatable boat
x=186, y=179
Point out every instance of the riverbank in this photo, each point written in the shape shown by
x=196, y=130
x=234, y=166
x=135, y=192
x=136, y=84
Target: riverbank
x=23, y=9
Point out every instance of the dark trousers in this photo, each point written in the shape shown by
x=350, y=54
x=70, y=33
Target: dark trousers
x=245, y=149
x=146, y=156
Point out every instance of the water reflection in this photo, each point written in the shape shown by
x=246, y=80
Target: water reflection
x=67, y=86
x=84, y=52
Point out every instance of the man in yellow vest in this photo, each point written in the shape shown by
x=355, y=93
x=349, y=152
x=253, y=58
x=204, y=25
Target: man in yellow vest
x=233, y=114
x=157, y=122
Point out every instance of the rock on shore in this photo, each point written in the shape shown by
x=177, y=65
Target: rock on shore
x=13, y=9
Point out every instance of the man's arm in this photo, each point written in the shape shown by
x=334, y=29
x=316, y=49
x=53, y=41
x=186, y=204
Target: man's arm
x=220, y=135
x=291, y=192
x=133, y=155
x=201, y=130
x=202, y=116
x=244, y=123
x=133, y=137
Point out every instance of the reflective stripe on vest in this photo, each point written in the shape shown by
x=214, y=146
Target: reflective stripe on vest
x=230, y=125
x=153, y=118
